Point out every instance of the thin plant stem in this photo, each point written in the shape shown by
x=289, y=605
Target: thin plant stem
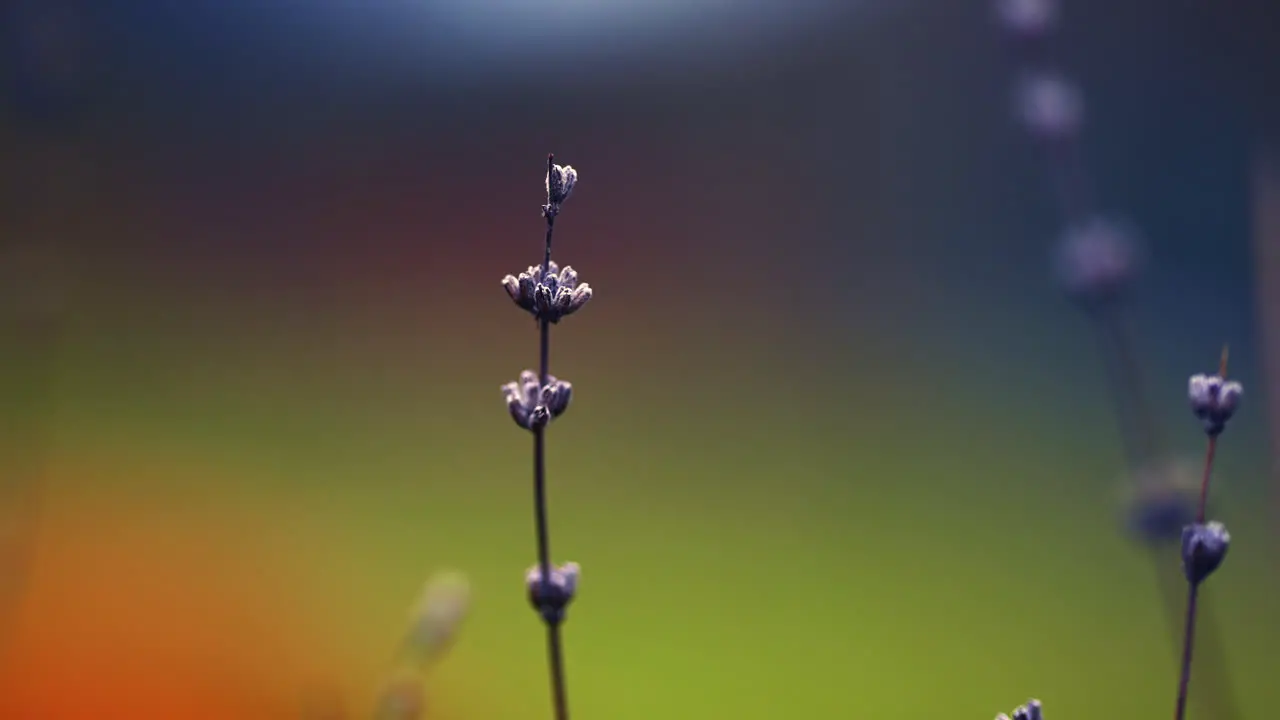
x=555, y=655
x=1189, y=627
x=1189, y=634
x=1210, y=451
x=1139, y=430
x=555, y=650
x=1070, y=179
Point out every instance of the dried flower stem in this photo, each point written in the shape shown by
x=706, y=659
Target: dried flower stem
x=1193, y=590
x=1188, y=639
x=555, y=649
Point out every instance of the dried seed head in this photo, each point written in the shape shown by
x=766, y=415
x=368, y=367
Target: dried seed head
x=1049, y=105
x=1028, y=19
x=549, y=295
x=533, y=405
x=551, y=597
x=1204, y=547
x=1097, y=260
x=1214, y=401
x=561, y=180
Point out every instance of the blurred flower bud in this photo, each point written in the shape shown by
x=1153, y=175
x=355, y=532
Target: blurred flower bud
x=1027, y=18
x=438, y=614
x=1097, y=260
x=552, y=597
x=1204, y=546
x=1049, y=106
x=1214, y=401
x=1161, y=500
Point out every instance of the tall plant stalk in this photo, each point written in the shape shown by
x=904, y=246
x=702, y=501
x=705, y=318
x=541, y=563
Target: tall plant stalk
x=550, y=294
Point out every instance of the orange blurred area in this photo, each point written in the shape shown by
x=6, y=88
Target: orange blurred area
x=158, y=605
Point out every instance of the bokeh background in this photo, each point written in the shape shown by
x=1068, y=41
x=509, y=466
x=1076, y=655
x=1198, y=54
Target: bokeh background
x=839, y=447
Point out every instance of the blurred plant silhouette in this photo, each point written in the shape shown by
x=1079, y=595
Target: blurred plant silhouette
x=434, y=622
x=1096, y=263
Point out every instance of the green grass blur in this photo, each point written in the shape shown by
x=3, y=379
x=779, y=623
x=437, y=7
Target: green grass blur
x=765, y=531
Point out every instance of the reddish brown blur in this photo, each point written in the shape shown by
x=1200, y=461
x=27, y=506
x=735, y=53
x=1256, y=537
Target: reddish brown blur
x=157, y=611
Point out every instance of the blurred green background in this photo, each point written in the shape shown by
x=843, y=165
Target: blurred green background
x=838, y=447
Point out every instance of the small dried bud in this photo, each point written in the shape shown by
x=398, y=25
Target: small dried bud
x=556, y=396
x=561, y=180
x=1030, y=711
x=511, y=284
x=533, y=405
x=1049, y=106
x=1028, y=19
x=1214, y=401
x=580, y=296
x=543, y=302
x=1204, y=546
x=551, y=597
x=521, y=289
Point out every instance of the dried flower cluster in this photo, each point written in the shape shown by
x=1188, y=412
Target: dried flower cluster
x=550, y=294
